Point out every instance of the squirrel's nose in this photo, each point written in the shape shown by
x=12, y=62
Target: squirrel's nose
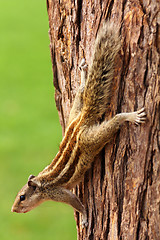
x=12, y=209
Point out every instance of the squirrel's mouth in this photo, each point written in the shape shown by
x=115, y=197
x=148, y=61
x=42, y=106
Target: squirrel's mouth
x=14, y=209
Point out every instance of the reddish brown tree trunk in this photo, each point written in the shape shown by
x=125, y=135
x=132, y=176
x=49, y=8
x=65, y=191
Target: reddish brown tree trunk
x=121, y=191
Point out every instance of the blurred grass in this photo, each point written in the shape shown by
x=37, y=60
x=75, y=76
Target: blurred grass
x=30, y=132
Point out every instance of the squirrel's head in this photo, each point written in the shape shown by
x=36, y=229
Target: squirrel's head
x=29, y=197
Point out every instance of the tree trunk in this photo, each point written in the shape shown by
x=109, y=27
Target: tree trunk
x=121, y=191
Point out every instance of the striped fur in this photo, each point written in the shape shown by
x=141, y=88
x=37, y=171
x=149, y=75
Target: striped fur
x=64, y=165
x=70, y=164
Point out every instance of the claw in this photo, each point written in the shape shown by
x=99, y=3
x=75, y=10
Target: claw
x=141, y=110
x=141, y=116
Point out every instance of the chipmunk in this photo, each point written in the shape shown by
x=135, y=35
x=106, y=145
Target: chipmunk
x=84, y=136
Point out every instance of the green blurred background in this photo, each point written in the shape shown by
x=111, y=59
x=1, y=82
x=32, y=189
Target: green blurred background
x=30, y=132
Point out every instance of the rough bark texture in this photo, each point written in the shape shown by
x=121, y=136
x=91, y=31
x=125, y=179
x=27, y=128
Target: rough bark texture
x=121, y=191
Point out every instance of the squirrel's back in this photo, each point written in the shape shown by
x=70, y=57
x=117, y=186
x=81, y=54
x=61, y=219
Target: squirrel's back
x=98, y=87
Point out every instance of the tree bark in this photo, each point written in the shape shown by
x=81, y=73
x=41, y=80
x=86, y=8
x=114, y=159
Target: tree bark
x=121, y=191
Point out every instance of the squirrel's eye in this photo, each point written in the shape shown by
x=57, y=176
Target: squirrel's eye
x=22, y=198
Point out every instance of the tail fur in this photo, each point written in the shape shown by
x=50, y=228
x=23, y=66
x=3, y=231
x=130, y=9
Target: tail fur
x=98, y=87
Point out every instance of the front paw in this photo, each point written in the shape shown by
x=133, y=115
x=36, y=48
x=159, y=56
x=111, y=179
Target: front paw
x=140, y=116
x=84, y=222
x=83, y=65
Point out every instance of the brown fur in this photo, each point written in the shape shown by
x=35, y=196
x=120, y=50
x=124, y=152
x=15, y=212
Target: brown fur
x=84, y=138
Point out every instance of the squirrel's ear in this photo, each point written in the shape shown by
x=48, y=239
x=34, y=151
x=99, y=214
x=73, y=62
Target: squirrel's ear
x=32, y=182
x=30, y=177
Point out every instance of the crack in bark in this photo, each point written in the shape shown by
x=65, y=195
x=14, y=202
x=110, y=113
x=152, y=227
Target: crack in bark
x=115, y=149
x=55, y=69
x=158, y=37
x=122, y=82
x=108, y=220
x=141, y=36
x=150, y=168
x=120, y=198
x=145, y=76
x=103, y=203
x=138, y=230
x=110, y=9
x=142, y=7
x=158, y=127
x=123, y=7
x=141, y=203
x=135, y=95
x=60, y=29
x=78, y=22
x=91, y=234
x=102, y=168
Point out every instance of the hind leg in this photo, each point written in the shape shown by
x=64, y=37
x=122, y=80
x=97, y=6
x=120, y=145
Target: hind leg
x=78, y=102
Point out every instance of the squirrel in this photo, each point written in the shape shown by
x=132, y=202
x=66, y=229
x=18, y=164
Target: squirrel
x=84, y=136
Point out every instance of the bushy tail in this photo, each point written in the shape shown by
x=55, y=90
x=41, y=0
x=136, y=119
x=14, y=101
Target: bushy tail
x=98, y=87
